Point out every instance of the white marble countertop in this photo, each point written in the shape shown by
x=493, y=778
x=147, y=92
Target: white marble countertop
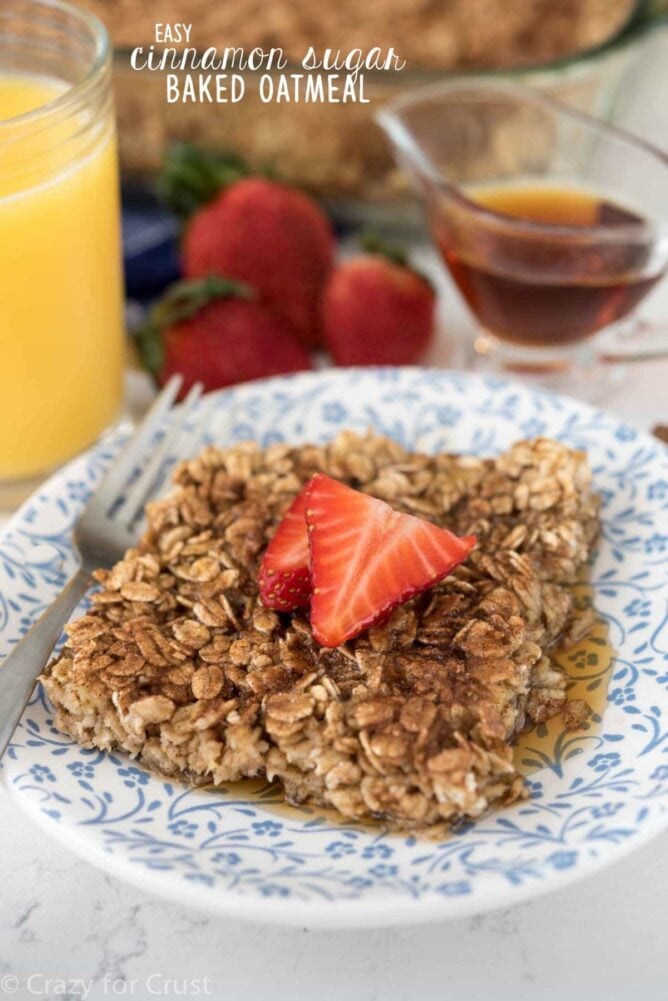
x=62, y=920
x=67, y=930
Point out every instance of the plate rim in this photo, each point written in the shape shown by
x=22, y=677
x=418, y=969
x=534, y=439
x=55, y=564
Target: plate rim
x=324, y=914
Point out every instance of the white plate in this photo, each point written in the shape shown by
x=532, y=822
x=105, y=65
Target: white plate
x=598, y=795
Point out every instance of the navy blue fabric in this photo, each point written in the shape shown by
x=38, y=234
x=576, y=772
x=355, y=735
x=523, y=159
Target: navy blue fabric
x=150, y=245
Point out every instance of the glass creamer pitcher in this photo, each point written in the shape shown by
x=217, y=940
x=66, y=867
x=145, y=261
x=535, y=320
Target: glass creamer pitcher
x=552, y=224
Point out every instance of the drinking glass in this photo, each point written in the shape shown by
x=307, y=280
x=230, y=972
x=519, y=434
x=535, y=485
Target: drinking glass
x=549, y=296
x=61, y=292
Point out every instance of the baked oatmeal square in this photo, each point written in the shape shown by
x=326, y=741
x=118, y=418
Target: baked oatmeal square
x=412, y=723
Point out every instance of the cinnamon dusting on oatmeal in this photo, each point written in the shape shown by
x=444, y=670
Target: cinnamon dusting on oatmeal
x=411, y=723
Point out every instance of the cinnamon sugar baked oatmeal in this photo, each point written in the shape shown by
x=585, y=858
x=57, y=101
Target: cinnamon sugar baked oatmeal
x=412, y=722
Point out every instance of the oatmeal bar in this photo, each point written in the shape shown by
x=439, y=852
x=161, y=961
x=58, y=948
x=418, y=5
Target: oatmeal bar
x=412, y=723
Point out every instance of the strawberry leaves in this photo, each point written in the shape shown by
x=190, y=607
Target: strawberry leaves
x=183, y=300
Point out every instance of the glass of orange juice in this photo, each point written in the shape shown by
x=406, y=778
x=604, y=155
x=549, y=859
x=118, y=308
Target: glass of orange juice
x=61, y=289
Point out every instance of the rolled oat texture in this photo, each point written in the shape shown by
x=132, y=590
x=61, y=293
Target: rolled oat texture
x=412, y=723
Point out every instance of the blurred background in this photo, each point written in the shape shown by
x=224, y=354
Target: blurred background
x=605, y=57
x=592, y=54
x=580, y=51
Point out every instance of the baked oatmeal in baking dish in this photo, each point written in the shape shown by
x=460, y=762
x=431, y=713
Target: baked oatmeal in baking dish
x=411, y=721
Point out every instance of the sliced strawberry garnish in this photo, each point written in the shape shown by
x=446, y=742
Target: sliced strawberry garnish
x=285, y=579
x=367, y=558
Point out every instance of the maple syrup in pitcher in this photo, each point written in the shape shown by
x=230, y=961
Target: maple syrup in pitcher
x=557, y=279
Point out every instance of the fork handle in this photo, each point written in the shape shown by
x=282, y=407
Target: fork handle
x=21, y=668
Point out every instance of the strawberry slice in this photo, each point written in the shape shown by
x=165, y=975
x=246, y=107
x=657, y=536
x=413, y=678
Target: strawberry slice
x=285, y=578
x=367, y=558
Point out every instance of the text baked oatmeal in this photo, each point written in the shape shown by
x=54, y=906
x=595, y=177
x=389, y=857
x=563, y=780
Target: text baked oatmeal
x=179, y=664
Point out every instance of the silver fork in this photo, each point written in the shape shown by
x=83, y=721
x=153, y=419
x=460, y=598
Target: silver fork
x=105, y=529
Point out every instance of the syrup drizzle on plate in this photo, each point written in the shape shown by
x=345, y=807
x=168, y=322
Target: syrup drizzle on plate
x=588, y=665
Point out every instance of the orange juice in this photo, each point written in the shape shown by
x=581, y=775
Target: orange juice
x=61, y=324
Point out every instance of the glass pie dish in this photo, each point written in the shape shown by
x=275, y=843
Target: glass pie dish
x=336, y=151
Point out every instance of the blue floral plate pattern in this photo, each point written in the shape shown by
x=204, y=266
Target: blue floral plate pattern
x=598, y=796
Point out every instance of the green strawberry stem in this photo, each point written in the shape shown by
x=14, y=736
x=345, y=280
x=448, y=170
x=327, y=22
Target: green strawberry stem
x=374, y=244
x=181, y=302
x=191, y=177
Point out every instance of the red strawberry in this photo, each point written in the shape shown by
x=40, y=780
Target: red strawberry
x=377, y=311
x=211, y=331
x=367, y=558
x=273, y=237
x=285, y=576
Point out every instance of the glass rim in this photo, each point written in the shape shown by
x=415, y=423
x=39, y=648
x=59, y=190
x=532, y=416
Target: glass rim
x=389, y=118
x=73, y=94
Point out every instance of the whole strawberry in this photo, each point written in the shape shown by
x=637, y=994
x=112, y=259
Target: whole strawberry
x=213, y=331
x=378, y=311
x=271, y=236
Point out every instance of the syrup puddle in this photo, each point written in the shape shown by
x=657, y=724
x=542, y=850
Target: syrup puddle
x=588, y=665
